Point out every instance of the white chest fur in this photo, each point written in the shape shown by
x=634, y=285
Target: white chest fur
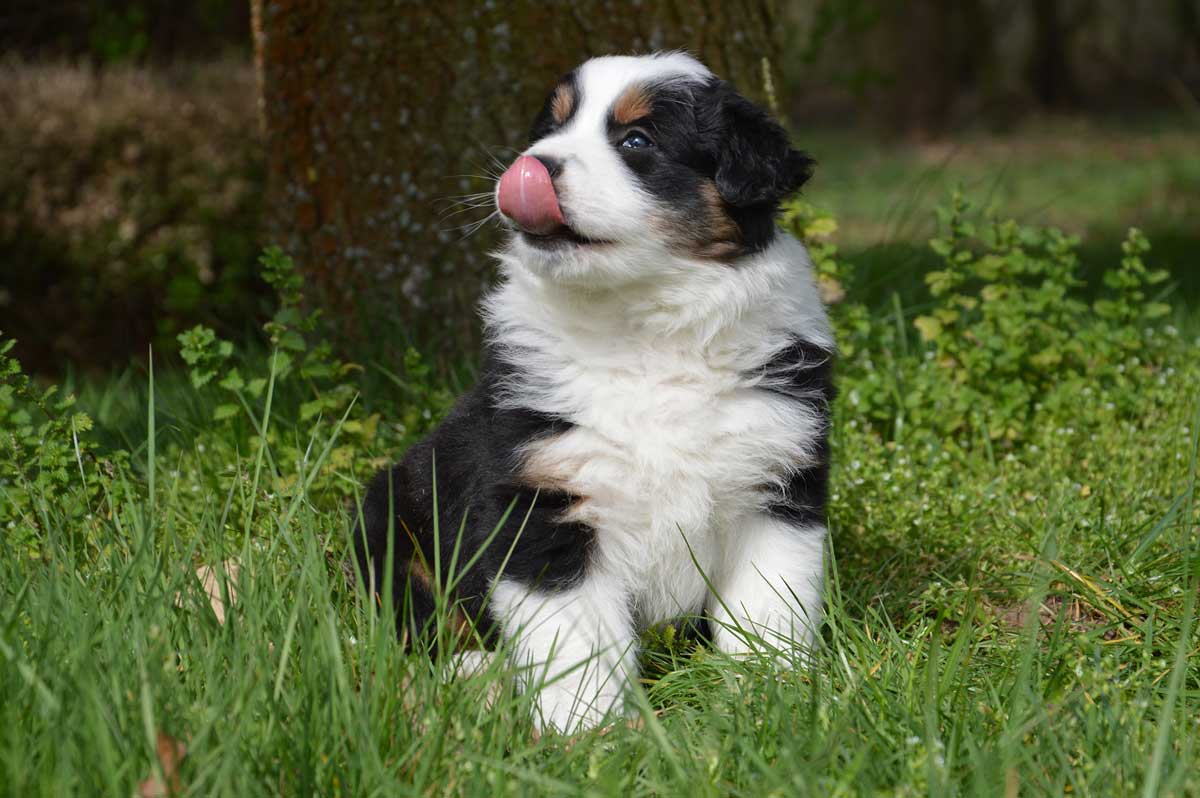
x=674, y=442
x=666, y=463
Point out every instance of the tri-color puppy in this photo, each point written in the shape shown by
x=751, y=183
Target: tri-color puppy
x=653, y=403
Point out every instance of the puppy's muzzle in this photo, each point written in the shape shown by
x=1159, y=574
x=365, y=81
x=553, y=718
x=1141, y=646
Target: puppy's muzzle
x=526, y=196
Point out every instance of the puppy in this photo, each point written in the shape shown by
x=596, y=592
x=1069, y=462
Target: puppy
x=649, y=434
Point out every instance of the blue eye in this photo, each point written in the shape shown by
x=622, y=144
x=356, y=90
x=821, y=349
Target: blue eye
x=636, y=140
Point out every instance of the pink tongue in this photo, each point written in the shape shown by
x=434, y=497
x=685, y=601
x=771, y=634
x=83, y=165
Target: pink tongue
x=527, y=197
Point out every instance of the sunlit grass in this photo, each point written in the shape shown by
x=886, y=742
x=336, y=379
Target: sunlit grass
x=1004, y=616
x=1066, y=664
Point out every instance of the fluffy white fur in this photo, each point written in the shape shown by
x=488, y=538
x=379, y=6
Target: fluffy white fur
x=654, y=357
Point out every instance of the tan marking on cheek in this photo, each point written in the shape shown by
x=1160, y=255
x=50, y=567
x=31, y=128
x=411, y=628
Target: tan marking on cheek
x=719, y=222
x=633, y=104
x=563, y=103
x=712, y=235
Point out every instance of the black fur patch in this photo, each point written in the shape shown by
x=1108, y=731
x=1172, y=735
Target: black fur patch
x=674, y=169
x=708, y=133
x=803, y=372
x=756, y=165
x=478, y=480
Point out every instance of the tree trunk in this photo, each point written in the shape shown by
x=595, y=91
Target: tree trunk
x=1054, y=31
x=932, y=57
x=376, y=112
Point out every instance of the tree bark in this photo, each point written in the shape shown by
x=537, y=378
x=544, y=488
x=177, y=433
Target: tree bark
x=1050, y=71
x=378, y=111
x=932, y=57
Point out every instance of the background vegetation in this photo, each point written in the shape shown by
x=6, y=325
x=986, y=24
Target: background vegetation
x=1016, y=535
x=134, y=160
x=1012, y=603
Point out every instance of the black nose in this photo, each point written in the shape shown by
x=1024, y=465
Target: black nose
x=553, y=165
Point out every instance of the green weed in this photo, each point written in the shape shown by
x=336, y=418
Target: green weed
x=1011, y=600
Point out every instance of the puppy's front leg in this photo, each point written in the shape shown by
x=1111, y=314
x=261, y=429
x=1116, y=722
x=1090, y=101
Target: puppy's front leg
x=768, y=587
x=575, y=647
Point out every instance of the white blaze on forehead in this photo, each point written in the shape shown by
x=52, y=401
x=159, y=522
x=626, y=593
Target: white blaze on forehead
x=602, y=80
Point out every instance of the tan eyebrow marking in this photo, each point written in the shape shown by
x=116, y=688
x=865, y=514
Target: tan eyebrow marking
x=633, y=104
x=563, y=102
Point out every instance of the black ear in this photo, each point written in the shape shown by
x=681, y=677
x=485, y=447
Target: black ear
x=756, y=165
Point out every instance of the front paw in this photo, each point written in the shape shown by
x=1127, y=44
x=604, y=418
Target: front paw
x=562, y=710
x=786, y=647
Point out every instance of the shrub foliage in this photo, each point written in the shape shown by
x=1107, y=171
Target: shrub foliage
x=1008, y=362
x=1013, y=601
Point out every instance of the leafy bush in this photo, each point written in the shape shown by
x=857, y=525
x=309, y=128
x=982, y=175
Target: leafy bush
x=328, y=436
x=1038, y=590
x=1008, y=330
x=1012, y=389
x=44, y=445
x=331, y=435
x=1009, y=388
x=130, y=207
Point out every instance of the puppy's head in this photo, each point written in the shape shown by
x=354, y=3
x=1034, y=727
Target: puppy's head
x=639, y=165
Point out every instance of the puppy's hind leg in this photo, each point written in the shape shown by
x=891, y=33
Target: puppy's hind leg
x=384, y=544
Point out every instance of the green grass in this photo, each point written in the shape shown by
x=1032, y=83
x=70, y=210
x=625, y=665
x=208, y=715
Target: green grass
x=1007, y=614
x=1050, y=648
x=1086, y=176
x=1090, y=177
